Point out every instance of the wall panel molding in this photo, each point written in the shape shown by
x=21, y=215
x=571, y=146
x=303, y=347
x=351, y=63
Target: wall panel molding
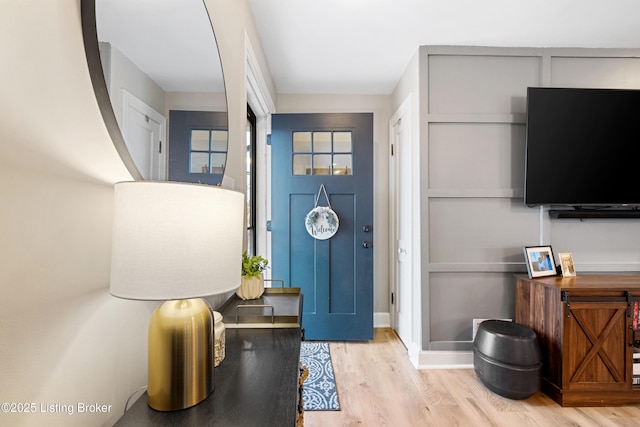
x=475, y=221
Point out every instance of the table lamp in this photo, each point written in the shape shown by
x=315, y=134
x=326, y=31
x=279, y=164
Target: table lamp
x=177, y=242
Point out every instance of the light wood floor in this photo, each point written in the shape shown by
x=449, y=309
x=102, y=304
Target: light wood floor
x=378, y=386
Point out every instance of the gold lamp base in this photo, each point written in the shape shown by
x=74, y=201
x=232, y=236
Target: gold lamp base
x=181, y=370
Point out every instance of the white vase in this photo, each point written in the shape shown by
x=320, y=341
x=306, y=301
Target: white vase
x=219, y=334
x=251, y=287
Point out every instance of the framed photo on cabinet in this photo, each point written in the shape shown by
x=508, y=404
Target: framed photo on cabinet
x=540, y=261
x=566, y=264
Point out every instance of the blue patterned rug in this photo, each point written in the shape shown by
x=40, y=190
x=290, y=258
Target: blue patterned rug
x=319, y=389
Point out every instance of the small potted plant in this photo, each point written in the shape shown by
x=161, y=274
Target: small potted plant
x=252, y=282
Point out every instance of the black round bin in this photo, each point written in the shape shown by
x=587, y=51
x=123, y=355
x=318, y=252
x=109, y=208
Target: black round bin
x=507, y=358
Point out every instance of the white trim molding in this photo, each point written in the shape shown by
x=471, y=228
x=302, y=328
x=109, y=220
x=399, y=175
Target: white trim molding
x=381, y=320
x=257, y=89
x=445, y=360
x=263, y=106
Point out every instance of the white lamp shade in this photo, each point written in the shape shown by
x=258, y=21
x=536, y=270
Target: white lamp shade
x=175, y=241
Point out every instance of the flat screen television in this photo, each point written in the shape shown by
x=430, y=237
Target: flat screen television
x=582, y=148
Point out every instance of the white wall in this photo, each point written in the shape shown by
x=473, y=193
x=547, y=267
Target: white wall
x=63, y=339
x=409, y=83
x=233, y=27
x=124, y=74
x=194, y=101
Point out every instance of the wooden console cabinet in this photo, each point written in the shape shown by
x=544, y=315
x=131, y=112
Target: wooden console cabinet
x=257, y=384
x=585, y=328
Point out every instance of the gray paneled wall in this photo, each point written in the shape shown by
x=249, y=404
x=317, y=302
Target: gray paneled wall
x=473, y=105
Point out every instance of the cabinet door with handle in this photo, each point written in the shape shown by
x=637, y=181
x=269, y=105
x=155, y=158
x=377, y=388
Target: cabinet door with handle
x=596, y=335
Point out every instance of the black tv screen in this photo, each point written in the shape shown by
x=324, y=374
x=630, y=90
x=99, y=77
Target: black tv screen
x=582, y=147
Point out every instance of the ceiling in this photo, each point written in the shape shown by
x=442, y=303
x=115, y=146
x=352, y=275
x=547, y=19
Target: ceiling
x=364, y=46
x=170, y=40
x=356, y=46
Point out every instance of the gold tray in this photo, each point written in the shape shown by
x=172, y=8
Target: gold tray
x=276, y=308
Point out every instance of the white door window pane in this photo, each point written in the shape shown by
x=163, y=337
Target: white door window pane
x=342, y=164
x=342, y=142
x=217, y=162
x=322, y=142
x=302, y=142
x=199, y=163
x=302, y=164
x=219, y=140
x=200, y=140
x=322, y=164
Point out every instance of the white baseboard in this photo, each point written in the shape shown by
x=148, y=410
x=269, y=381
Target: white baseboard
x=414, y=351
x=381, y=320
x=429, y=359
x=445, y=360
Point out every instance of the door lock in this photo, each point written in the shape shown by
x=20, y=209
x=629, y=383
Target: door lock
x=366, y=228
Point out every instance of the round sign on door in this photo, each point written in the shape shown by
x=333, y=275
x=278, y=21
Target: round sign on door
x=321, y=221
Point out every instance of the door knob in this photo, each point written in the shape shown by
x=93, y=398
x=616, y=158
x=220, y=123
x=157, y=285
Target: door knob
x=366, y=244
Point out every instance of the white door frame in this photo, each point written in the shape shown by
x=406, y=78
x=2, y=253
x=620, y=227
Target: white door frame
x=407, y=112
x=157, y=156
x=262, y=105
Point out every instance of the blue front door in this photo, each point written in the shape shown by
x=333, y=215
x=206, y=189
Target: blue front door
x=334, y=151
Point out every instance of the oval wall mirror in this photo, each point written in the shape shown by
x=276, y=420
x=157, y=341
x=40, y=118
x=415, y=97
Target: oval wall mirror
x=156, y=72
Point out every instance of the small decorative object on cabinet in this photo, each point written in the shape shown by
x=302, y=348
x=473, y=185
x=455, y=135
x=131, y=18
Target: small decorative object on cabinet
x=566, y=263
x=540, y=261
x=219, y=332
x=252, y=282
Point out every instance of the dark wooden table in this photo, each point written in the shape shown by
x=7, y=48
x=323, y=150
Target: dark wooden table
x=255, y=385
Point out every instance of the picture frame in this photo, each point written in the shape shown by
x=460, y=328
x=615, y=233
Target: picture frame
x=540, y=261
x=566, y=264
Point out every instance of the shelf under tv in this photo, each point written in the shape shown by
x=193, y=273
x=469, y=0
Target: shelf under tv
x=588, y=213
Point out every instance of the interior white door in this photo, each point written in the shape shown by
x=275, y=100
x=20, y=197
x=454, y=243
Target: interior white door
x=402, y=229
x=143, y=129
